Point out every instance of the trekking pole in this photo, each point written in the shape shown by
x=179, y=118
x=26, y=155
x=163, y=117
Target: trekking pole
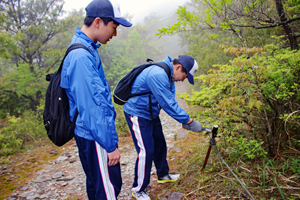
x=214, y=132
x=231, y=170
x=212, y=144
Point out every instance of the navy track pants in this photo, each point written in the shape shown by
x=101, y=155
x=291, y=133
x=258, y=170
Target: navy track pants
x=150, y=145
x=102, y=181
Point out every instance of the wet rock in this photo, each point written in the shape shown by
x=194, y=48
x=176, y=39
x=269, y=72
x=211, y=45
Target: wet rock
x=64, y=184
x=61, y=159
x=11, y=198
x=72, y=159
x=66, y=154
x=54, y=152
x=181, y=134
x=39, y=180
x=65, y=178
x=24, y=188
x=15, y=195
x=27, y=194
x=176, y=149
x=176, y=196
x=57, y=175
x=36, y=196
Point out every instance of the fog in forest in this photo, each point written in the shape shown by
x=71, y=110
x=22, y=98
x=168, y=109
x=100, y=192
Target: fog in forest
x=152, y=16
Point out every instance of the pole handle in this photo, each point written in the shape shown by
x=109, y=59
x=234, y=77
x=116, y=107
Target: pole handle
x=214, y=130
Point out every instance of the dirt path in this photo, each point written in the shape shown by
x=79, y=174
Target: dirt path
x=64, y=178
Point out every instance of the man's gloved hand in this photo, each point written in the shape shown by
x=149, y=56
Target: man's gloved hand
x=195, y=126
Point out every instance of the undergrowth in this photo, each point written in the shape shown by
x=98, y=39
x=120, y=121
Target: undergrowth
x=263, y=177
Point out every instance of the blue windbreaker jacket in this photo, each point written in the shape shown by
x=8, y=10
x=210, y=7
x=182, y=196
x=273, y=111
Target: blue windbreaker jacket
x=155, y=79
x=87, y=89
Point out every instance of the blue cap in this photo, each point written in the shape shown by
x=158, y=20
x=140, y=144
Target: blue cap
x=190, y=65
x=106, y=8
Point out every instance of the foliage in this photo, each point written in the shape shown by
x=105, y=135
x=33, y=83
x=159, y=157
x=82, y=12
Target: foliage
x=19, y=131
x=55, y=49
x=37, y=22
x=264, y=178
x=247, y=149
x=28, y=32
x=254, y=95
x=291, y=164
x=205, y=42
x=206, y=52
x=21, y=90
x=129, y=49
x=7, y=42
x=121, y=124
x=240, y=18
x=119, y=56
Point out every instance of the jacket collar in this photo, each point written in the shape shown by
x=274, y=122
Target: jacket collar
x=168, y=61
x=82, y=35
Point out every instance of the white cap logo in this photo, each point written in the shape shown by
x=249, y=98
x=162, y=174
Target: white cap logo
x=194, y=68
x=116, y=7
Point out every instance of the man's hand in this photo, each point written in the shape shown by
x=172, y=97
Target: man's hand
x=195, y=126
x=114, y=157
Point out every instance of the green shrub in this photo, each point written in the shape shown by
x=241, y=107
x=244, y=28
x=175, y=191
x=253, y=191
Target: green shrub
x=19, y=131
x=254, y=95
x=249, y=149
x=121, y=124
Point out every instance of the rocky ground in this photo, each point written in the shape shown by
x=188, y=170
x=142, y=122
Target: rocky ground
x=64, y=178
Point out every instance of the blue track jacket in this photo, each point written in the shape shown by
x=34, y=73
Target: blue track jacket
x=87, y=89
x=155, y=79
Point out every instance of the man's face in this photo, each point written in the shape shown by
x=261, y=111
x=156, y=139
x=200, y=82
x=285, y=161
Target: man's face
x=106, y=32
x=178, y=74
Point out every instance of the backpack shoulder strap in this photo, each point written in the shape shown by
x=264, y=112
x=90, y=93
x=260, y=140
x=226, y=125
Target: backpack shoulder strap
x=72, y=47
x=165, y=67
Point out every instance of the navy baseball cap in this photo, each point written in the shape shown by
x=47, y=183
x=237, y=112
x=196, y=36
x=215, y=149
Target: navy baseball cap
x=106, y=8
x=190, y=65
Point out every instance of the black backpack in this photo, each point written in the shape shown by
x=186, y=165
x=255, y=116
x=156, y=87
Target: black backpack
x=122, y=91
x=57, y=122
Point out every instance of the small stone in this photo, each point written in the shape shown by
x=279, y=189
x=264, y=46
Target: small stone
x=36, y=196
x=67, y=178
x=64, y=184
x=15, y=195
x=27, y=194
x=57, y=175
x=54, y=152
x=67, y=154
x=62, y=158
x=182, y=134
x=176, y=149
x=176, y=196
x=24, y=188
x=72, y=159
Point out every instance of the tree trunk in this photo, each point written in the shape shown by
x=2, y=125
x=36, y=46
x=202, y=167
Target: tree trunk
x=287, y=28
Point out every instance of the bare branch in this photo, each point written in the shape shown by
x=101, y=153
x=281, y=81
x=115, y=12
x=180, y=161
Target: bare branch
x=270, y=26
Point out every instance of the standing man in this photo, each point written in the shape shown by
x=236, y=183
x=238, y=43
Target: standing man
x=88, y=91
x=146, y=128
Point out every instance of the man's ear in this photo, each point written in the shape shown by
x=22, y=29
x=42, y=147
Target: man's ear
x=97, y=22
x=178, y=67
